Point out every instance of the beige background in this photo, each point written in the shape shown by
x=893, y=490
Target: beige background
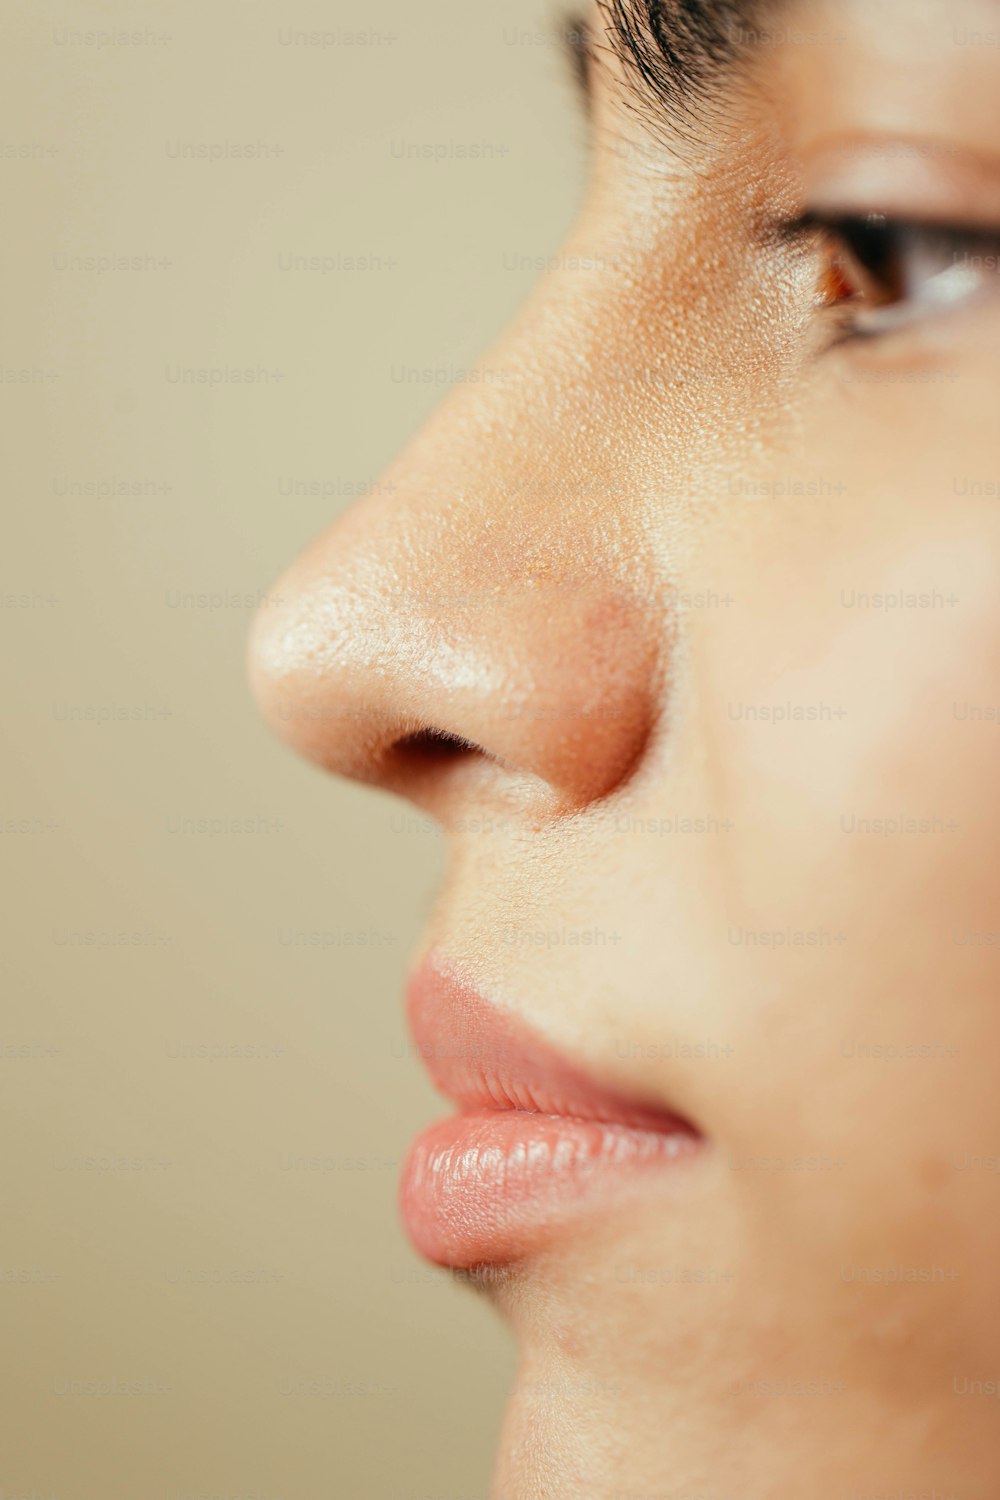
x=203, y=1287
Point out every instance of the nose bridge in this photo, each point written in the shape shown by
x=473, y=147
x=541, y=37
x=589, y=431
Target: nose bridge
x=483, y=595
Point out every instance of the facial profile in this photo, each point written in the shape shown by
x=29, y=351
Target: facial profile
x=683, y=620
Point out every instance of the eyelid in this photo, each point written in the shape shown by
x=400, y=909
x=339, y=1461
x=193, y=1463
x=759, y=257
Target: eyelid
x=923, y=178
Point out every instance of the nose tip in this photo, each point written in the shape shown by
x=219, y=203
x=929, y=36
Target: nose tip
x=372, y=663
x=318, y=675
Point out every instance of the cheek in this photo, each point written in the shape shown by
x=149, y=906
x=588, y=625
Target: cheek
x=848, y=709
x=848, y=701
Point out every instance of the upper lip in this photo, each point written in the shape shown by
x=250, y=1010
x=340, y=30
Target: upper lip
x=483, y=1058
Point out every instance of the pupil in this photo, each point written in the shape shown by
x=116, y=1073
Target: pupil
x=876, y=247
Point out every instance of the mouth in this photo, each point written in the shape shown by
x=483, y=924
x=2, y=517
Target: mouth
x=535, y=1142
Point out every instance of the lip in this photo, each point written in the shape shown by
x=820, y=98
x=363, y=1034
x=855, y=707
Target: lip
x=535, y=1142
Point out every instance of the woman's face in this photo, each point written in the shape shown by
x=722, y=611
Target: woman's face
x=700, y=578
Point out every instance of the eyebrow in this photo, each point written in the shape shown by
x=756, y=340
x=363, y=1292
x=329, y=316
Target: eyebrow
x=675, y=50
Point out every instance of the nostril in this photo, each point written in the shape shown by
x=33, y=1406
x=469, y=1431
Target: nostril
x=422, y=763
x=433, y=745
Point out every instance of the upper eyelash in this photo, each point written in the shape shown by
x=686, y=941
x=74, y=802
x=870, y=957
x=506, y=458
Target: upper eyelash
x=813, y=222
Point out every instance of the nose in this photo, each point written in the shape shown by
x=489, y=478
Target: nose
x=475, y=626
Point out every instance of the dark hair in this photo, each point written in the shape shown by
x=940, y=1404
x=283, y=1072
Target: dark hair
x=679, y=47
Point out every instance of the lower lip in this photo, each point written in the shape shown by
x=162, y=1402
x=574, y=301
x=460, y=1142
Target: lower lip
x=490, y=1186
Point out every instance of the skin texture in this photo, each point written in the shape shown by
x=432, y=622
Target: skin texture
x=632, y=573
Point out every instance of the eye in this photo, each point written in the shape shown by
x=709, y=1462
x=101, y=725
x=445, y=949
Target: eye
x=881, y=273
